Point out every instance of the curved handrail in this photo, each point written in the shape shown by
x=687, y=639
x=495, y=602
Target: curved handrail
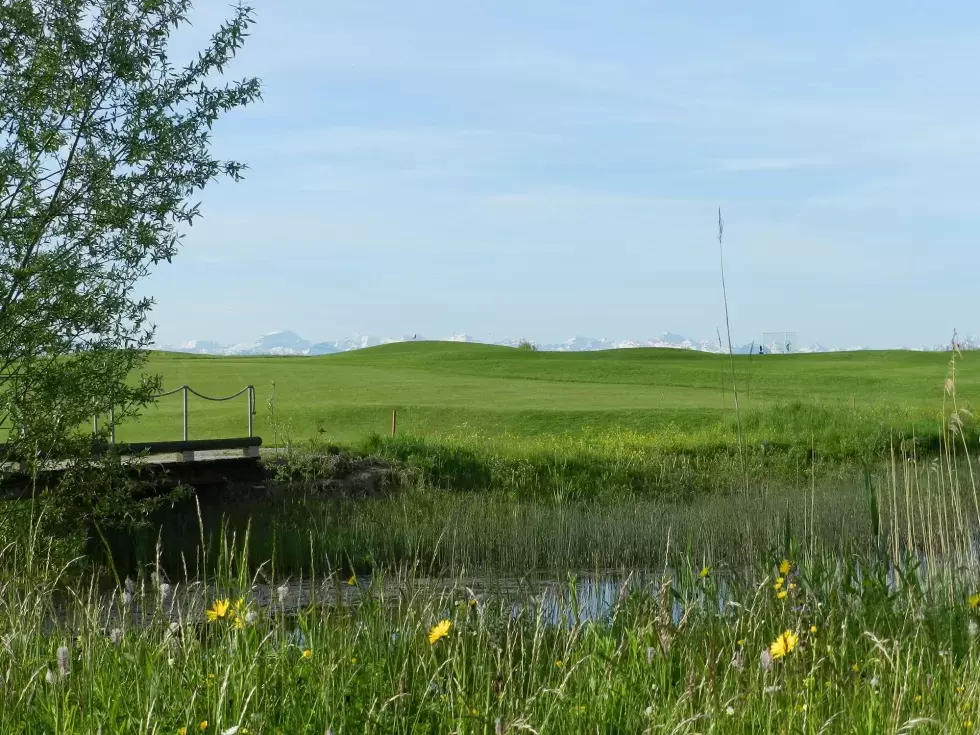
x=185, y=389
x=201, y=395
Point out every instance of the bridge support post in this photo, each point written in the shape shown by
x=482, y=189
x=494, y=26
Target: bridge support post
x=250, y=452
x=188, y=455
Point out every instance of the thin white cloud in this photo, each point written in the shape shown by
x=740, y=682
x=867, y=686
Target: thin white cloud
x=740, y=165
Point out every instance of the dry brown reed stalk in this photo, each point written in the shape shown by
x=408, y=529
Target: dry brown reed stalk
x=731, y=355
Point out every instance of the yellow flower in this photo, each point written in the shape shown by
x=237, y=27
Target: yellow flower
x=781, y=595
x=974, y=600
x=918, y=697
x=204, y=725
x=784, y=566
x=352, y=582
x=353, y=660
x=307, y=653
x=784, y=644
x=855, y=668
x=740, y=642
x=559, y=663
x=181, y=731
x=220, y=610
x=439, y=631
x=705, y=572
x=813, y=628
x=779, y=583
x=474, y=712
x=473, y=602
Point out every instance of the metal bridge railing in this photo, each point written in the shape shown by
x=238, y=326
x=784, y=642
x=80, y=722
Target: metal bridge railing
x=186, y=390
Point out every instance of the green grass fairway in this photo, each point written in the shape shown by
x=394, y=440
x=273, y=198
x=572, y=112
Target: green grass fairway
x=445, y=388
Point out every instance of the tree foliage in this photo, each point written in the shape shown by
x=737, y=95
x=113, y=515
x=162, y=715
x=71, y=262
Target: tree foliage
x=104, y=144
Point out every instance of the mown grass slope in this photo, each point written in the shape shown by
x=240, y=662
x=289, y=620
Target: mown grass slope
x=442, y=389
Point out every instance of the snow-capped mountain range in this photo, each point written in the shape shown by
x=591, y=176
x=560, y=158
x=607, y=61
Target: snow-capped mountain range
x=290, y=343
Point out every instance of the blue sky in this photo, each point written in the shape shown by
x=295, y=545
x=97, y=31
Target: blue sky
x=548, y=169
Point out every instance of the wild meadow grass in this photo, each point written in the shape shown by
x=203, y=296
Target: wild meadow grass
x=809, y=642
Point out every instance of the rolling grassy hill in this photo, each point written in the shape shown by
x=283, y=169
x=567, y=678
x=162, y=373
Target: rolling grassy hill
x=445, y=388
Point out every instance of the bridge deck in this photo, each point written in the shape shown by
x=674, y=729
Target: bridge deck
x=197, y=463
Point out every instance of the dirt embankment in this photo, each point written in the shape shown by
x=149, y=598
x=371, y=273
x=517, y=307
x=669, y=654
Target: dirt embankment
x=334, y=474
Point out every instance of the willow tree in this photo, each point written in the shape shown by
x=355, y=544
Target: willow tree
x=104, y=144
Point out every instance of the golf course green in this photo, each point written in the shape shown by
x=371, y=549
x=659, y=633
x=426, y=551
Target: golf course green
x=443, y=389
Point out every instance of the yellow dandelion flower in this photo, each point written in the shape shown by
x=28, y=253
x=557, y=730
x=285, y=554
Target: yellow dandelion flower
x=705, y=572
x=352, y=582
x=474, y=712
x=779, y=583
x=784, y=644
x=203, y=726
x=918, y=698
x=181, y=731
x=353, y=659
x=559, y=663
x=219, y=610
x=473, y=602
x=307, y=653
x=855, y=668
x=784, y=566
x=781, y=595
x=792, y=586
x=740, y=642
x=439, y=631
x=813, y=628
x=974, y=600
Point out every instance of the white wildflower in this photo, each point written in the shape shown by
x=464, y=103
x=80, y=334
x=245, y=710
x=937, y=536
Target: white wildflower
x=233, y=730
x=736, y=663
x=283, y=593
x=166, y=592
x=116, y=636
x=729, y=710
x=765, y=660
x=973, y=628
x=63, y=661
x=251, y=617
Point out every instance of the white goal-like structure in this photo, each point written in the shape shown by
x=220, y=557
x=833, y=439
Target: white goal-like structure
x=779, y=343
